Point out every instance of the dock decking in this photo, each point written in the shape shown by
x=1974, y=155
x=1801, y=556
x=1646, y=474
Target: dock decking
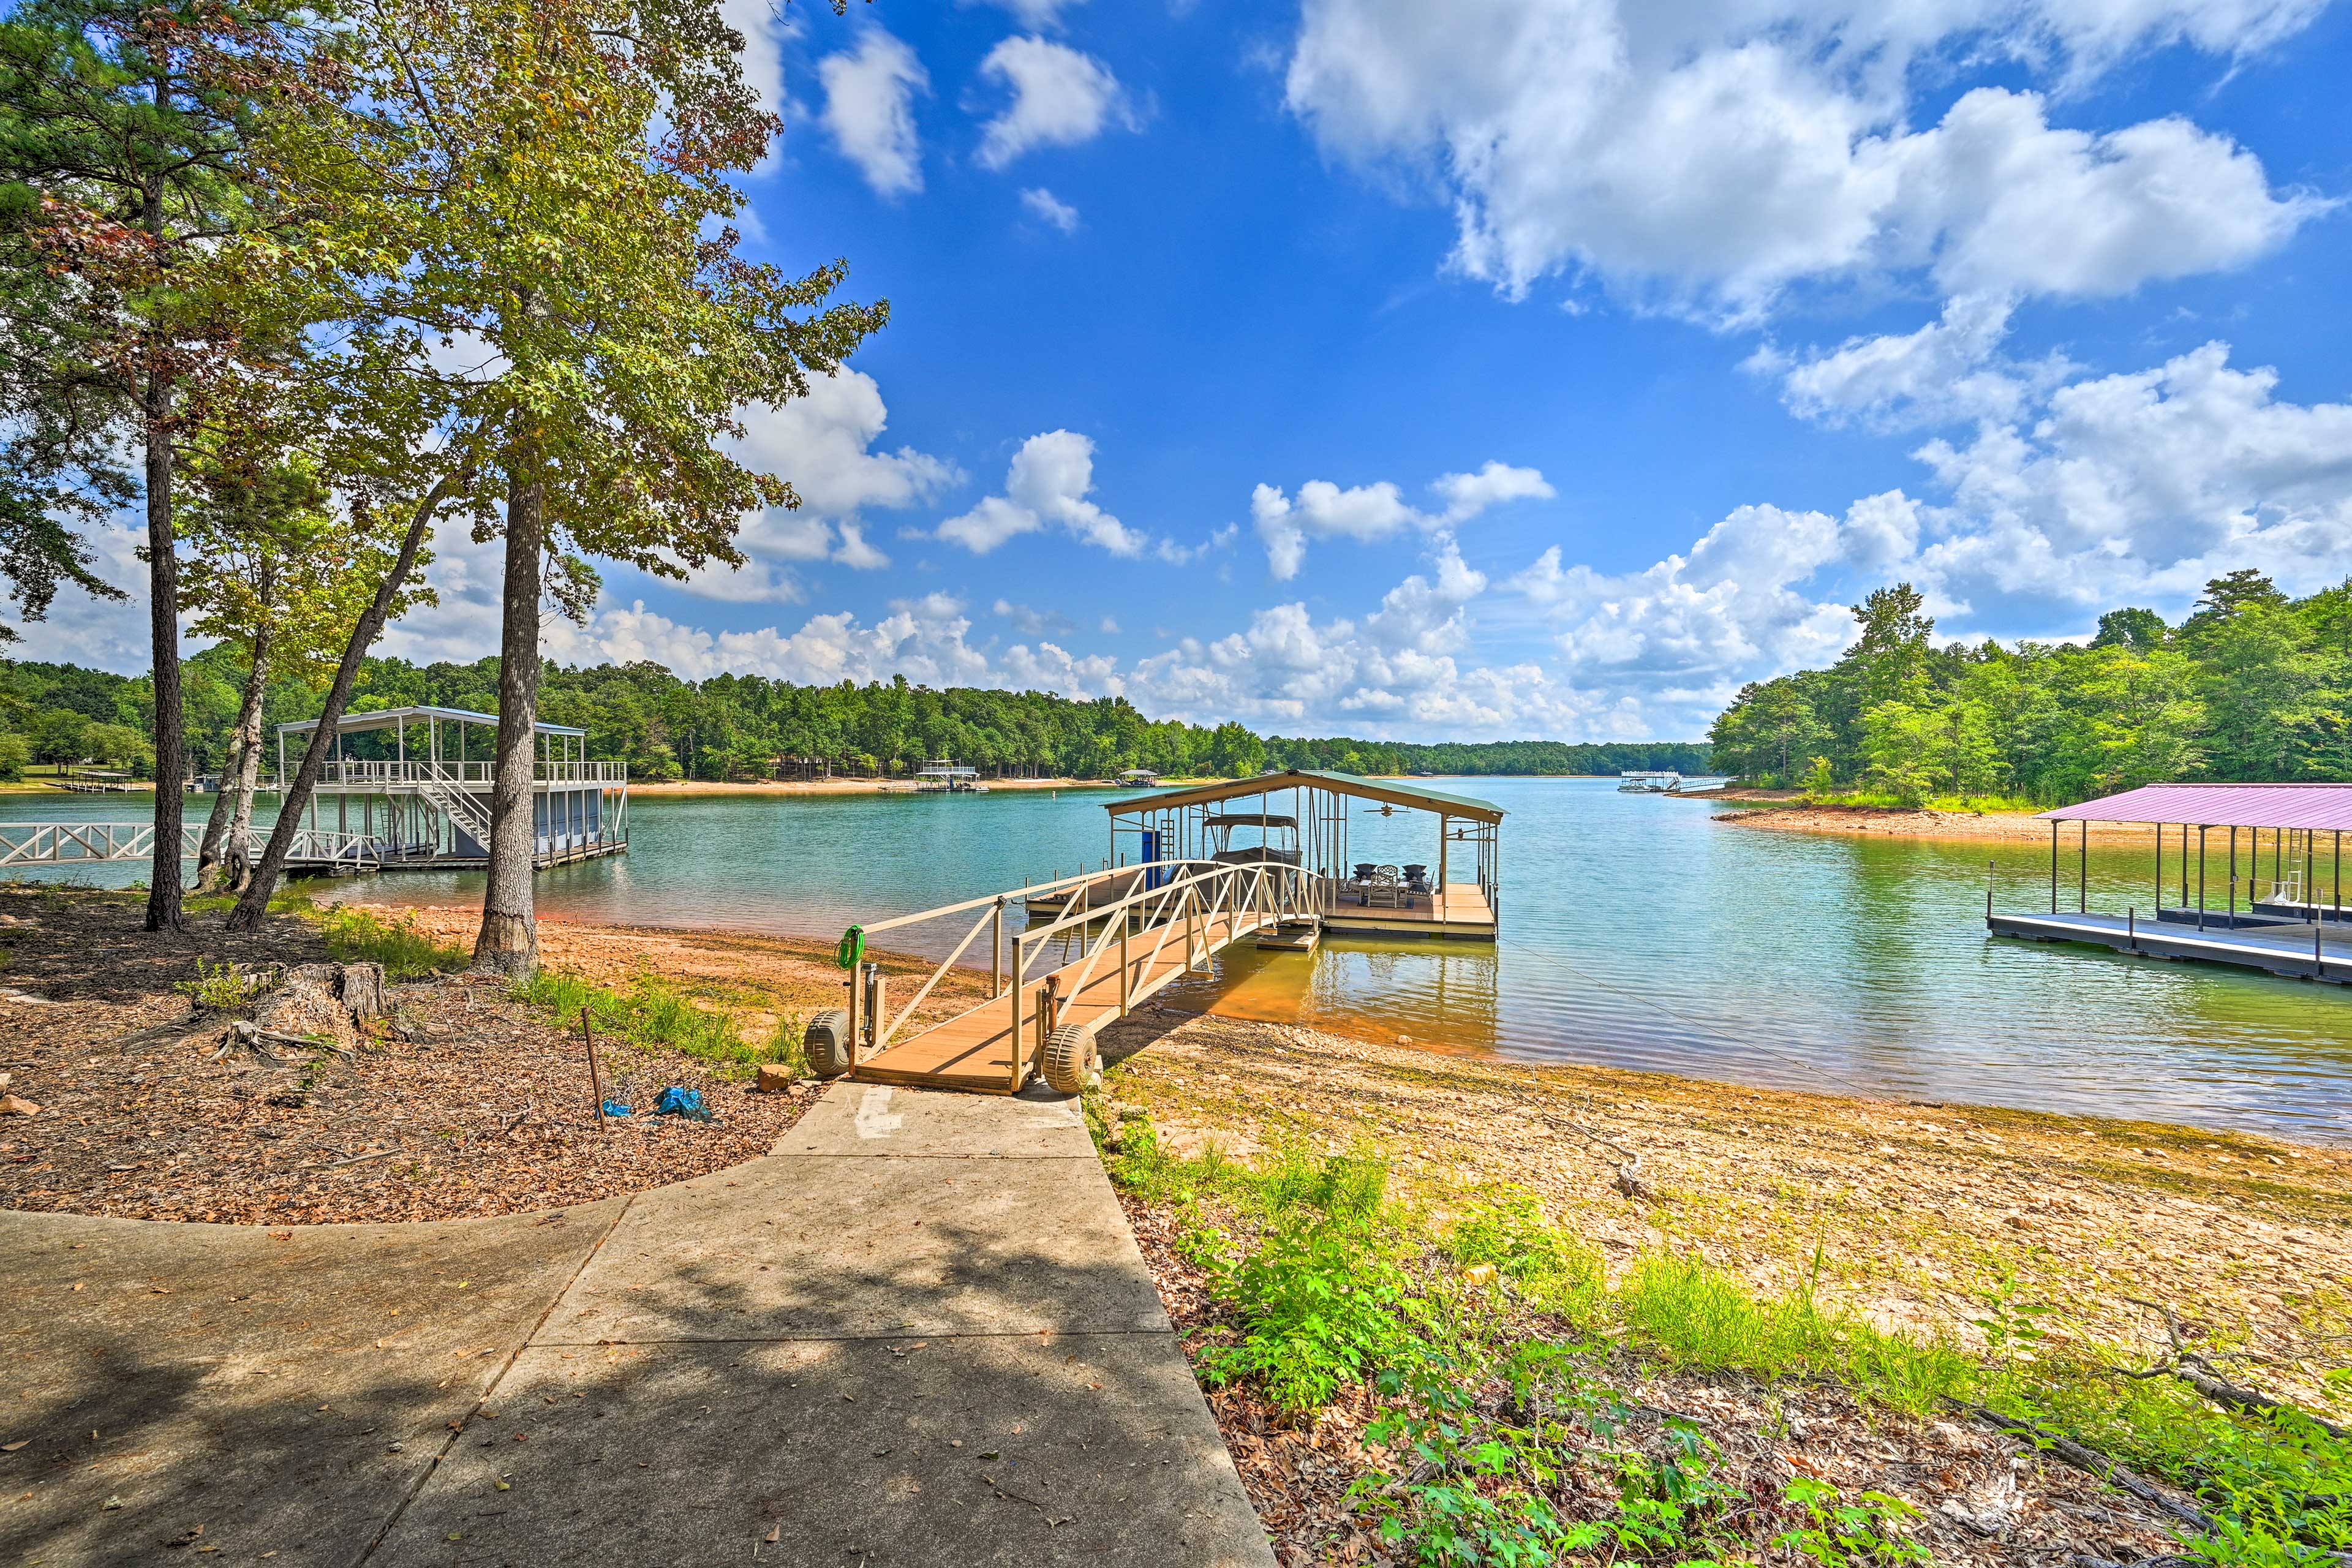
x=975, y=1050
x=1460, y=911
x=2299, y=951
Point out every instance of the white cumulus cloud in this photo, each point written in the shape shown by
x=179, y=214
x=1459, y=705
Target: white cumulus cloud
x=1367, y=513
x=1046, y=484
x=1060, y=98
x=869, y=109
x=1705, y=158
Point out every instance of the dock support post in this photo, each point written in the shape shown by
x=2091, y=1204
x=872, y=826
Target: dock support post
x=2339, y=876
x=2053, y=868
x=2082, y=872
x=2200, y=874
x=996, y=951
x=1126, y=967
x=1012, y=1040
x=2131, y=928
x=2233, y=870
x=2159, y=870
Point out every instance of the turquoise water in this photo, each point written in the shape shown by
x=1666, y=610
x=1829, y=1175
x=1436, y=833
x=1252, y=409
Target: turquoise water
x=1635, y=931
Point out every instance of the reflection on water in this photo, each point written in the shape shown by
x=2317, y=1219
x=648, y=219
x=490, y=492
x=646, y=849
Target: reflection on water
x=1635, y=931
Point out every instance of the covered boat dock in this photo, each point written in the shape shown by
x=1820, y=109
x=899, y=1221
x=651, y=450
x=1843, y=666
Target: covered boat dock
x=1300, y=817
x=2250, y=875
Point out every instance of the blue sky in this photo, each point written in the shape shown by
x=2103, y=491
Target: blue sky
x=1513, y=367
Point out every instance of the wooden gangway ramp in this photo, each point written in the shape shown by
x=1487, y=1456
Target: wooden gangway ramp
x=1040, y=1021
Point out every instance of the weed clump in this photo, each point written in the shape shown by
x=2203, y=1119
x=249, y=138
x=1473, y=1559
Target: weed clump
x=653, y=1014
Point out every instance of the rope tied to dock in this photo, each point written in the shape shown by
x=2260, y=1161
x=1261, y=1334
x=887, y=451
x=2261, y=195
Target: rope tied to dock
x=851, y=948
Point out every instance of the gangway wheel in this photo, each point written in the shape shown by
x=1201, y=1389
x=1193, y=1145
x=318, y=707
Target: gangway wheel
x=1072, y=1064
x=826, y=1043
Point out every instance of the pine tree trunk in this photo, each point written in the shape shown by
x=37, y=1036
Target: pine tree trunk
x=225, y=857
x=509, y=943
x=163, y=602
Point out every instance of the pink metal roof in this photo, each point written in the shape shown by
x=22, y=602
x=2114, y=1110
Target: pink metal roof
x=2325, y=807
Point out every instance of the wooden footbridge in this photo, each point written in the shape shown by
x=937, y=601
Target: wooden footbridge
x=1194, y=885
x=1169, y=920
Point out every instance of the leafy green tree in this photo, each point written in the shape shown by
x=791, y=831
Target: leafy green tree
x=2142, y=631
x=1897, y=745
x=124, y=124
x=117, y=746
x=60, y=736
x=15, y=755
x=553, y=181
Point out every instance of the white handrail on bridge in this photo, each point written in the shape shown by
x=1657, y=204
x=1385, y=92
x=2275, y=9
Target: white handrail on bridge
x=1165, y=892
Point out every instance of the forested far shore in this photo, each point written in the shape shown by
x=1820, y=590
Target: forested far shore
x=2252, y=685
x=746, y=727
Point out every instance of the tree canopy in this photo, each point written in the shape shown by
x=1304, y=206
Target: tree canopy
x=2253, y=687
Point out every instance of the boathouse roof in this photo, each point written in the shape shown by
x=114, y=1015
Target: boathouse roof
x=1392, y=792
x=385, y=718
x=2325, y=807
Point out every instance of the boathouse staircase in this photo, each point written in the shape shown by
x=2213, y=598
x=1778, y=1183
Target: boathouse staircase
x=443, y=790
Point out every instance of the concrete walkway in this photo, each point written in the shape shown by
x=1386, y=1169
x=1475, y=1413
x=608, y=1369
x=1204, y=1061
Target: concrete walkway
x=917, y=1332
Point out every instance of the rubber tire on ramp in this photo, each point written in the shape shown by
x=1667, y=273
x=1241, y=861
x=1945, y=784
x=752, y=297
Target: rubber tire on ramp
x=826, y=1043
x=1072, y=1066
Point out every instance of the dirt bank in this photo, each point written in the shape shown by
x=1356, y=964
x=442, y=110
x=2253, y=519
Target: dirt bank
x=1955, y=825
x=1918, y=1210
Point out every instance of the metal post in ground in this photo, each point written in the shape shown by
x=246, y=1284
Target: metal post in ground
x=595, y=1085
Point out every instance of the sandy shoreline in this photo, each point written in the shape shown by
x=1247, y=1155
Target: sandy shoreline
x=2013, y=827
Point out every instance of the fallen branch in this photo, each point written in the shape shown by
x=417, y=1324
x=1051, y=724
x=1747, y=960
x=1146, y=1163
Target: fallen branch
x=254, y=1037
x=353, y=1159
x=2096, y=1463
x=2203, y=1376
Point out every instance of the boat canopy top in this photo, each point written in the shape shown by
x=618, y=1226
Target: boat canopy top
x=1250, y=820
x=2325, y=807
x=387, y=718
x=1392, y=792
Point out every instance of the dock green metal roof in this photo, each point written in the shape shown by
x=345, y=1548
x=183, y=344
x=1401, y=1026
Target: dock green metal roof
x=1393, y=792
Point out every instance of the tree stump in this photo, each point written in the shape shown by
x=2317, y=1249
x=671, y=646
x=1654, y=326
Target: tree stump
x=361, y=990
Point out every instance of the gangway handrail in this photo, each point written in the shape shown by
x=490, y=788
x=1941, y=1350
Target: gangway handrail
x=1200, y=889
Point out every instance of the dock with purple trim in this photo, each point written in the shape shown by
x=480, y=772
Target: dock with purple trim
x=2273, y=901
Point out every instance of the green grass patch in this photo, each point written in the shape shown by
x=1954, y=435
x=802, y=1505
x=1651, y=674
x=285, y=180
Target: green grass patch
x=1331, y=1282
x=652, y=1013
x=362, y=936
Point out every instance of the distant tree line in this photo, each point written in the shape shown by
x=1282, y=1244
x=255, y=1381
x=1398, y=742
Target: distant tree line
x=2253, y=686
x=745, y=727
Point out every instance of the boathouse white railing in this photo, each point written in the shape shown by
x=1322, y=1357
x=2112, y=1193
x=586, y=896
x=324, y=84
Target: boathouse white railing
x=386, y=773
x=1165, y=898
x=79, y=843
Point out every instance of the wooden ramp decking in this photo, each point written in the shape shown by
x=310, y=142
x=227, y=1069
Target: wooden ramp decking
x=975, y=1050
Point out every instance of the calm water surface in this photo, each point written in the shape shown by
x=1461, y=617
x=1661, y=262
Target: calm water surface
x=1634, y=932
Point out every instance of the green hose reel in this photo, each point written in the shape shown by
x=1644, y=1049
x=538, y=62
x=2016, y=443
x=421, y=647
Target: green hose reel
x=851, y=948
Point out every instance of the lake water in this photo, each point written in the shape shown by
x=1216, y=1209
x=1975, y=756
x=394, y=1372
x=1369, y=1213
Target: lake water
x=1635, y=931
